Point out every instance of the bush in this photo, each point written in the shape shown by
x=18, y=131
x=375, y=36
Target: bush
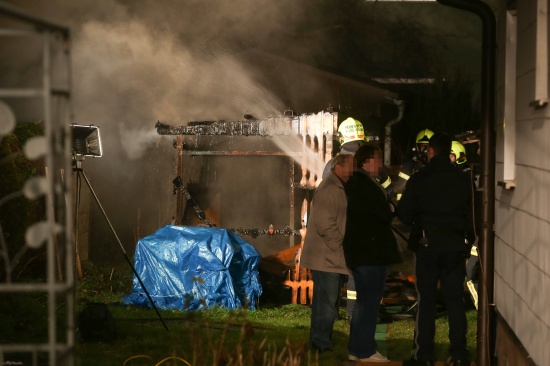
x=16, y=212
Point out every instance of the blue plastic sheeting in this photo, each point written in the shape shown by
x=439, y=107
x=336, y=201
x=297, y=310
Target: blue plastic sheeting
x=189, y=268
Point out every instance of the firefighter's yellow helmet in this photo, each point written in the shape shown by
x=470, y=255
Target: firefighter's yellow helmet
x=423, y=137
x=459, y=151
x=351, y=130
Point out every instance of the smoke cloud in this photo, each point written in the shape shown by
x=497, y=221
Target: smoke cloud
x=136, y=63
x=139, y=77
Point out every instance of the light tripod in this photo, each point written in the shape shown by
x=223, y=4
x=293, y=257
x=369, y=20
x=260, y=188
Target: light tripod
x=77, y=162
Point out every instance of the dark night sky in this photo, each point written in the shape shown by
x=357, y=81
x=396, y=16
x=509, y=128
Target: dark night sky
x=183, y=52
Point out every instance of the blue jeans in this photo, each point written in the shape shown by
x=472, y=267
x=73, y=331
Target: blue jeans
x=369, y=284
x=327, y=293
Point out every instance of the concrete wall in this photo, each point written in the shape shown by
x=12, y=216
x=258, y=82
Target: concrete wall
x=522, y=214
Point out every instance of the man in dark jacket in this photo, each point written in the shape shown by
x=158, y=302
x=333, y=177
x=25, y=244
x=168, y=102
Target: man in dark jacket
x=439, y=200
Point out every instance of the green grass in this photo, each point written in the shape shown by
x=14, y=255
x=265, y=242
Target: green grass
x=271, y=335
x=400, y=335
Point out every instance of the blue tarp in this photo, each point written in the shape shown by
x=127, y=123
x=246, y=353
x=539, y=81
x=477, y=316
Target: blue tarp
x=189, y=268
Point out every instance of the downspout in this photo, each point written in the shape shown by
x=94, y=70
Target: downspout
x=387, y=141
x=486, y=315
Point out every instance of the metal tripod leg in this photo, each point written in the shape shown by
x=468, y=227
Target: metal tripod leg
x=80, y=171
x=78, y=190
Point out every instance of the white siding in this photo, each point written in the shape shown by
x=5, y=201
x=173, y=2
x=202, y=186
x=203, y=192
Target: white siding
x=522, y=216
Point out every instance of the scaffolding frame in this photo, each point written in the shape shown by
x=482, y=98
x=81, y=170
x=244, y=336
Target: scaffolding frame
x=55, y=231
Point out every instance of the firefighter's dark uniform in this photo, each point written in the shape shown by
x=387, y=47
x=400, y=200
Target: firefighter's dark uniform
x=410, y=167
x=472, y=274
x=439, y=198
x=385, y=181
x=472, y=265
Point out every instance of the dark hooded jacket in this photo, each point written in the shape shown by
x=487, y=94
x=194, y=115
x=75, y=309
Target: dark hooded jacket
x=369, y=240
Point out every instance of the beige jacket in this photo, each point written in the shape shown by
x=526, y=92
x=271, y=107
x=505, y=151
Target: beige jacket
x=323, y=249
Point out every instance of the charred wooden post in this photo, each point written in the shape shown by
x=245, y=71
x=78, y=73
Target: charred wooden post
x=180, y=204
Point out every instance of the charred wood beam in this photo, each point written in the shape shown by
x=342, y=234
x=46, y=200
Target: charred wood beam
x=241, y=153
x=252, y=127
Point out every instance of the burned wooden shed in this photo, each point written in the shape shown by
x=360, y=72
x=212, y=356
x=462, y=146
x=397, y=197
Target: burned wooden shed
x=257, y=175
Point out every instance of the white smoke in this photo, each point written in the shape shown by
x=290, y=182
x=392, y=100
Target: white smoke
x=134, y=77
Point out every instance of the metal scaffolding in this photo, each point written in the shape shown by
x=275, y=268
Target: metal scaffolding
x=54, y=232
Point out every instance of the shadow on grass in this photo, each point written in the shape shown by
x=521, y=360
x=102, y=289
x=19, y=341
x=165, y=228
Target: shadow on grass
x=271, y=336
x=401, y=332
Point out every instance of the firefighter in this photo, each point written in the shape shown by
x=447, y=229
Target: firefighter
x=351, y=135
x=459, y=159
x=440, y=198
x=419, y=159
x=458, y=154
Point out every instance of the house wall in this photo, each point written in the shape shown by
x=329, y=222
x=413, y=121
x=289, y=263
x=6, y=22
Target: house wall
x=522, y=214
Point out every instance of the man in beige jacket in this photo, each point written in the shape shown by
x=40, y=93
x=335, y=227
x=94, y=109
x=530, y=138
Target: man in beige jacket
x=323, y=252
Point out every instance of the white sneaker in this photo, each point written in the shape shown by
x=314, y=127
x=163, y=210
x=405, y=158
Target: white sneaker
x=376, y=357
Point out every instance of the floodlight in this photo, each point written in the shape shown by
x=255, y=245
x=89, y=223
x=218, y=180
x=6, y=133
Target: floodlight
x=86, y=140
